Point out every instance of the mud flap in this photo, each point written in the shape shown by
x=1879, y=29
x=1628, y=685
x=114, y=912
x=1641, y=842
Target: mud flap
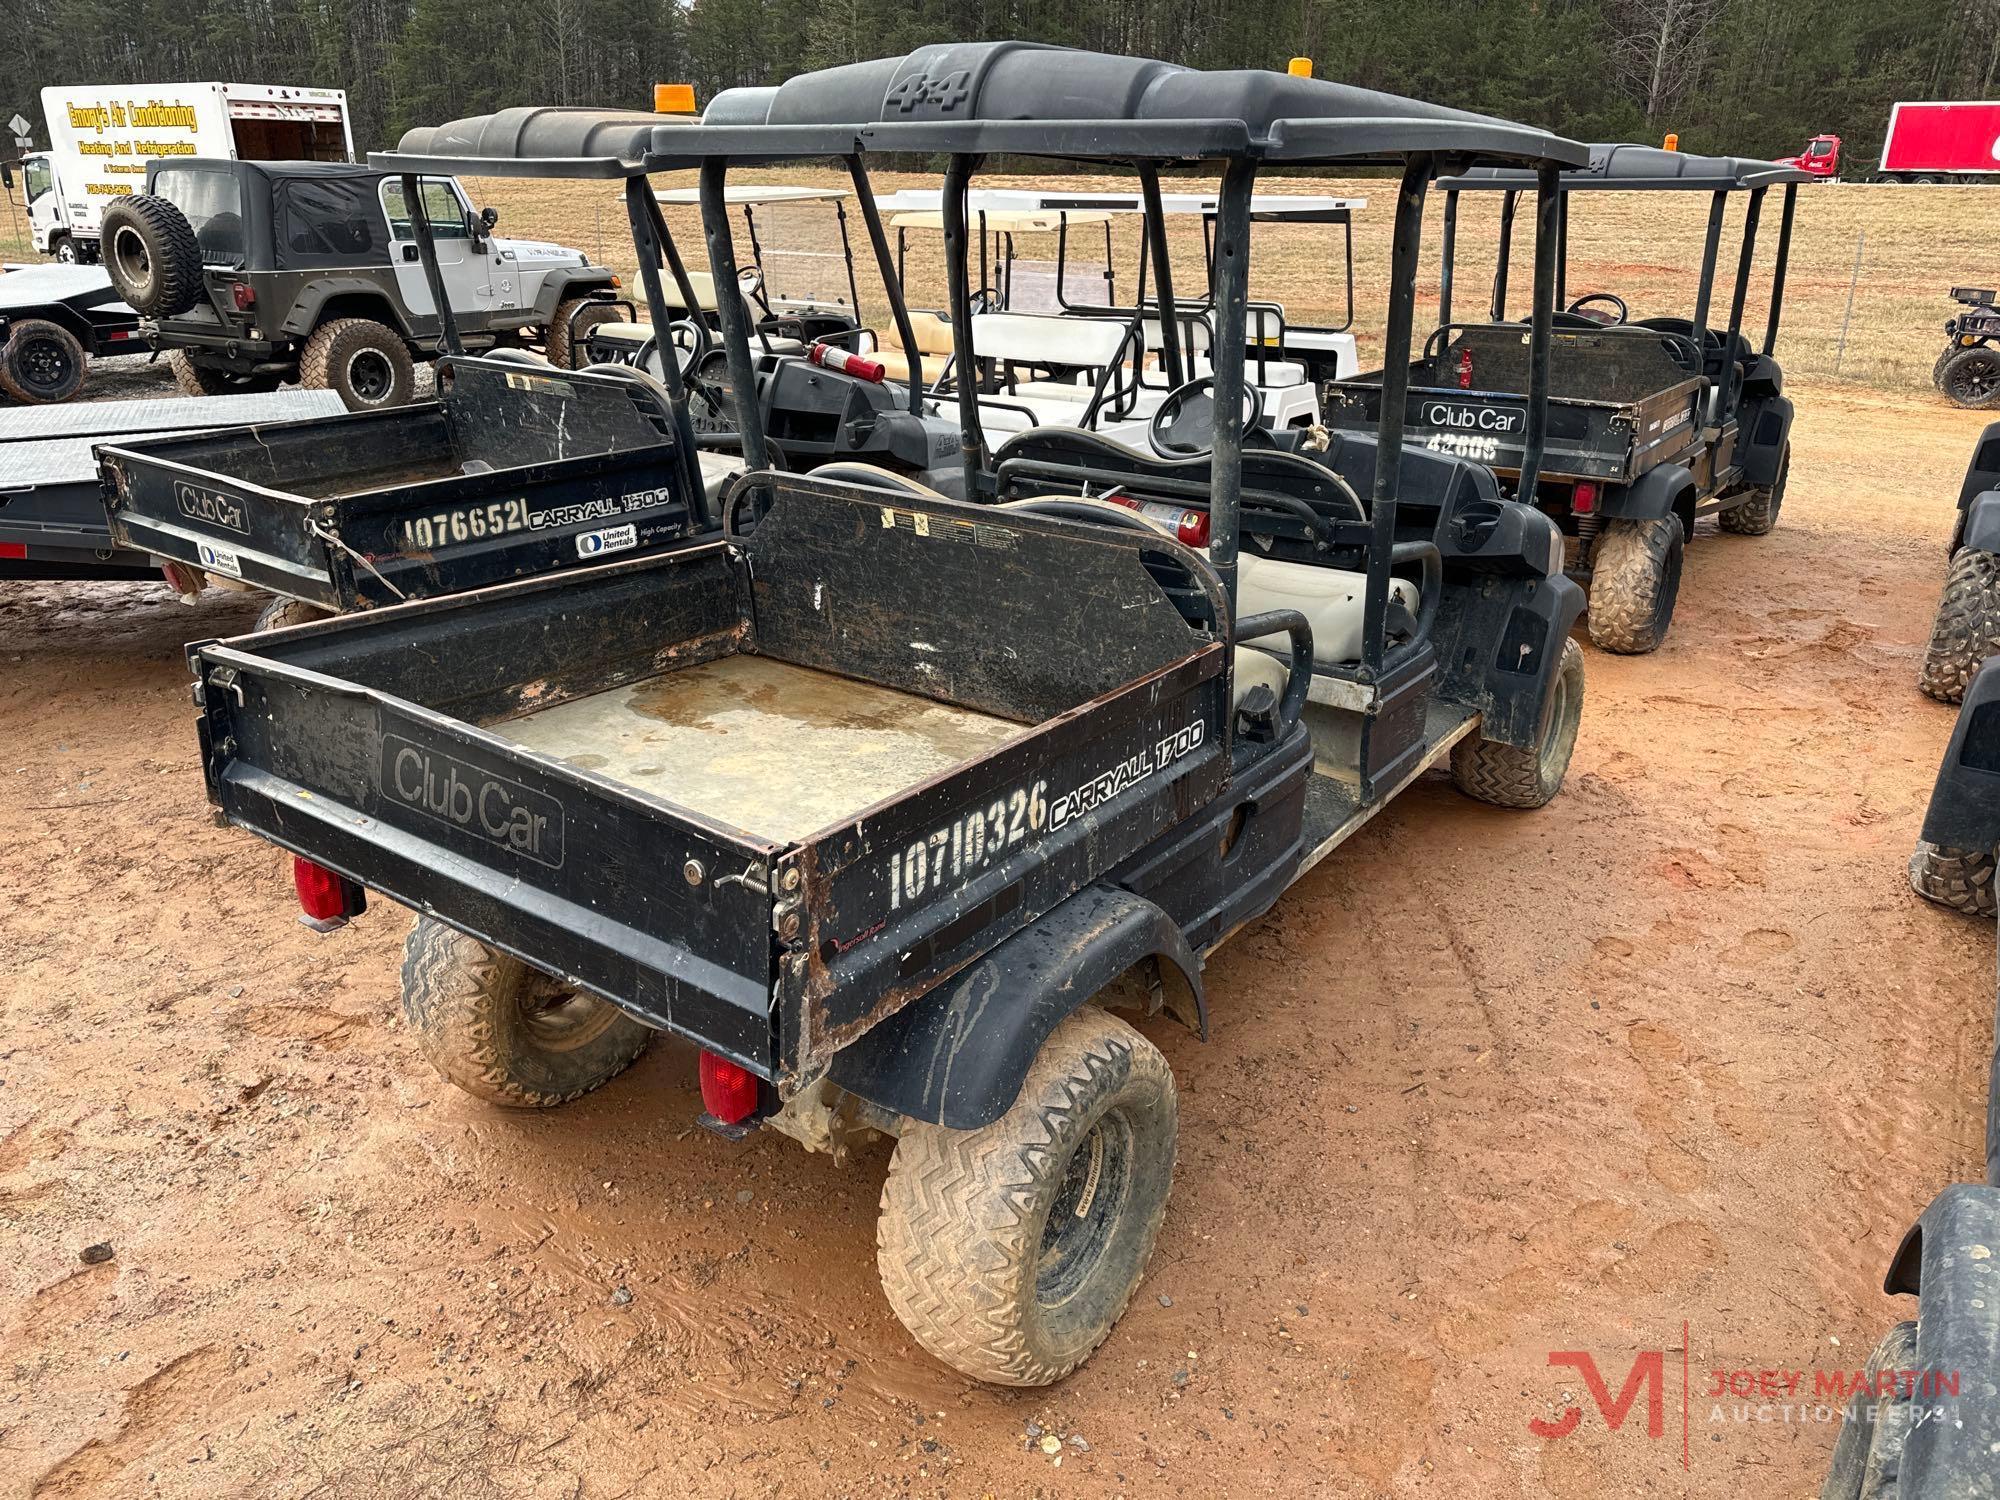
x=1964, y=811
x=1951, y=1259
x=957, y=1057
x=1766, y=426
x=1979, y=523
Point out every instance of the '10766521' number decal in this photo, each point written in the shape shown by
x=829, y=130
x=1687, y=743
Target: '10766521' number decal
x=966, y=845
x=429, y=532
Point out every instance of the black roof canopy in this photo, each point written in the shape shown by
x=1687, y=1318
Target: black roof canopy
x=1627, y=169
x=543, y=142
x=1042, y=100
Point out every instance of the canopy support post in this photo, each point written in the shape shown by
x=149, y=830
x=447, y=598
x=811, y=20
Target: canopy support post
x=1395, y=398
x=730, y=309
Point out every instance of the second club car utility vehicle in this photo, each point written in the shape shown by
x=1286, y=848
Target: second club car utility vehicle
x=253, y=273
x=883, y=798
x=1652, y=421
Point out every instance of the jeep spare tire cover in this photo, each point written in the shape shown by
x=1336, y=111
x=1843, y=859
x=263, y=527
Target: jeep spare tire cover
x=151, y=252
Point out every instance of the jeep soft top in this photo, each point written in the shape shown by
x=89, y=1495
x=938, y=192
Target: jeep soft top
x=871, y=797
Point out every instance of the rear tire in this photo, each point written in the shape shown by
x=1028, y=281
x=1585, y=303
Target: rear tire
x=1961, y=879
x=1868, y=1454
x=1517, y=776
x=41, y=362
x=1010, y=1251
x=1635, y=577
x=505, y=1032
x=1971, y=377
x=192, y=379
x=1757, y=515
x=152, y=255
x=283, y=613
x=1966, y=629
x=365, y=361
x=568, y=344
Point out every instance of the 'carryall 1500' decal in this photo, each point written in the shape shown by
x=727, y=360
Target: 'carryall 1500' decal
x=503, y=517
x=974, y=840
x=489, y=807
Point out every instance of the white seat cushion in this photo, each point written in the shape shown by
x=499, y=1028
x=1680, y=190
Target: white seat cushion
x=1254, y=667
x=1329, y=598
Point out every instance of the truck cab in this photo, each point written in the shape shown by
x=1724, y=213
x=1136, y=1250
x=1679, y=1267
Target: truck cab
x=1820, y=158
x=48, y=219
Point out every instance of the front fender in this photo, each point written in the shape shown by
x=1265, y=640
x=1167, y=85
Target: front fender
x=1981, y=474
x=957, y=1056
x=1766, y=427
x=1979, y=523
x=1657, y=493
x=1964, y=811
x=568, y=281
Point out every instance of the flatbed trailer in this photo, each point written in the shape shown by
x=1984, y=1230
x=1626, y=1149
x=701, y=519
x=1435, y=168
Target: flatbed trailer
x=515, y=469
x=52, y=521
x=54, y=319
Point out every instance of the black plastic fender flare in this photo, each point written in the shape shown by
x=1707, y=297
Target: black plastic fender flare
x=1964, y=811
x=1656, y=494
x=958, y=1055
x=1983, y=472
x=1979, y=523
x=1767, y=425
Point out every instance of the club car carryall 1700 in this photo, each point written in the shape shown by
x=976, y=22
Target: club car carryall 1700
x=1651, y=422
x=875, y=796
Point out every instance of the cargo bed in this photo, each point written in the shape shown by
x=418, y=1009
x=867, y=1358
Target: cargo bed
x=514, y=470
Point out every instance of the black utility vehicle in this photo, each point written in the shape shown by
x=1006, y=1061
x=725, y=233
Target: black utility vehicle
x=1967, y=628
x=1968, y=371
x=516, y=468
x=52, y=320
x=1925, y=1423
x=1652, y=421
x=882, y=798
x=253, y=273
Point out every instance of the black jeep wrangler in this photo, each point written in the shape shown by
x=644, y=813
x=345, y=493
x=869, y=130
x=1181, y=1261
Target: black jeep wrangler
x=257, y=273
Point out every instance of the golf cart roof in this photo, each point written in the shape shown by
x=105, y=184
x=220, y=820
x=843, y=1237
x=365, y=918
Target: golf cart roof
x=753, y=195
x=1002, y=220
x=535, y=141
x=1078, y=206
x=1054, y=101
x=1629, y=169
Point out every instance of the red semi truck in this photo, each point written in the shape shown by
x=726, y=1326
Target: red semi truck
x=1928, y=141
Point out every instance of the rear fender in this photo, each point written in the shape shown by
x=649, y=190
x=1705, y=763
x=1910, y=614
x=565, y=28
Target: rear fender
x=1981, y=474
x=957, y=1056
x=1507, y=682
x=1665, y=491
x=1964, y=810
x=1979, y=523
x=1767, y=426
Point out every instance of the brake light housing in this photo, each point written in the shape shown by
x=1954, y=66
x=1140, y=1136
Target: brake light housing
x=729, y=1091
x=1583, y=499
x=326, y=899
x=243, y=295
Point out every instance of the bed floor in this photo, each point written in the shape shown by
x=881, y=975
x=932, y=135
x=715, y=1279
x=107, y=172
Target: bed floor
x=777, y=750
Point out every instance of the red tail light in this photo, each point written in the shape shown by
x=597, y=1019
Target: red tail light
x=1583, y=500
x=728, y=1090
x=14, y=549
x=243, y=295
x=847, y=364
x=327, y=899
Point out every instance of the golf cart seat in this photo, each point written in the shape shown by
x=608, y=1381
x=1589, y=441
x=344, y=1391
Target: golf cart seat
x=624, y=341
x=933, y=338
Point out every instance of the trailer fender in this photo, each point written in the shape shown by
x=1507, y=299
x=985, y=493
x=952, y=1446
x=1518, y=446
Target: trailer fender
x=957, y=1056
x=1964, y=811
x=1951, y=1258
x=1668, y=490
x=1767, y=424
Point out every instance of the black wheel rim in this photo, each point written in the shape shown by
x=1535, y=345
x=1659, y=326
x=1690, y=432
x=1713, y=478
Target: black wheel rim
x=370, y=376
x=561, y=1017
x=1976, y=377
x=128, y=252
x=45, y=366
x=1092, y=1197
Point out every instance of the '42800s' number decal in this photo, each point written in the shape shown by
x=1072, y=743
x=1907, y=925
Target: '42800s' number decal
x=965, y=846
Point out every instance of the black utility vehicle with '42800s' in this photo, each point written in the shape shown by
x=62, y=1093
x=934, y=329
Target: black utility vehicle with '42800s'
x=256, y=273
x=1653, y=421
x=884, y=799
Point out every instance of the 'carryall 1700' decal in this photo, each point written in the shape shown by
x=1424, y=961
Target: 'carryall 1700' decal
x=489, y=807
x=976, y=839
x=504, y=517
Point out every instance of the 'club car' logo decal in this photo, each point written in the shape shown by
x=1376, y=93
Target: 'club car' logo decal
x=503, y=813
x=198, y=504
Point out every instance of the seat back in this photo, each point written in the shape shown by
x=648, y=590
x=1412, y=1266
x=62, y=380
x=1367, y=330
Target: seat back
x=1038, y=339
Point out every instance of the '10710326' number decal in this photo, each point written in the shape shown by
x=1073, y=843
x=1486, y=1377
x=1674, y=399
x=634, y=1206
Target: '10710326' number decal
x=966, y=845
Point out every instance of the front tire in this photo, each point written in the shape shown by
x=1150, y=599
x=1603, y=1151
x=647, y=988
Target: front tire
x=1526, y=777
x=1967, y=628
x=1635, y=577
x=505, y=1032
x=365, y=361
x=568, y=343
x=283, y=613
x=65, y=250
x=1961, y=879
x=1868, y=1454
x=1971, y=377
x=1009, y=1251
x=41, y=362
x=1758, y=514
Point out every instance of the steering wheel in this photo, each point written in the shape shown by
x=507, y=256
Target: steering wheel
x=1617, y=303
x=1183, y=426
x=708, y=384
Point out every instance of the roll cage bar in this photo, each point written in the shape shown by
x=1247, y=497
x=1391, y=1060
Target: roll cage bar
x=968, y=100
x=1627, y=169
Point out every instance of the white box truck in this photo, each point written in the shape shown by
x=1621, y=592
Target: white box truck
x=101, y=137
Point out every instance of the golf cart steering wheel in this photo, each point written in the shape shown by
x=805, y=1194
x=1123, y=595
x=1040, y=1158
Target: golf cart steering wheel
x=1617, y=304
x=1183, y=426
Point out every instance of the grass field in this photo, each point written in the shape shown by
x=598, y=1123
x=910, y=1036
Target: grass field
x=1914, y=243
